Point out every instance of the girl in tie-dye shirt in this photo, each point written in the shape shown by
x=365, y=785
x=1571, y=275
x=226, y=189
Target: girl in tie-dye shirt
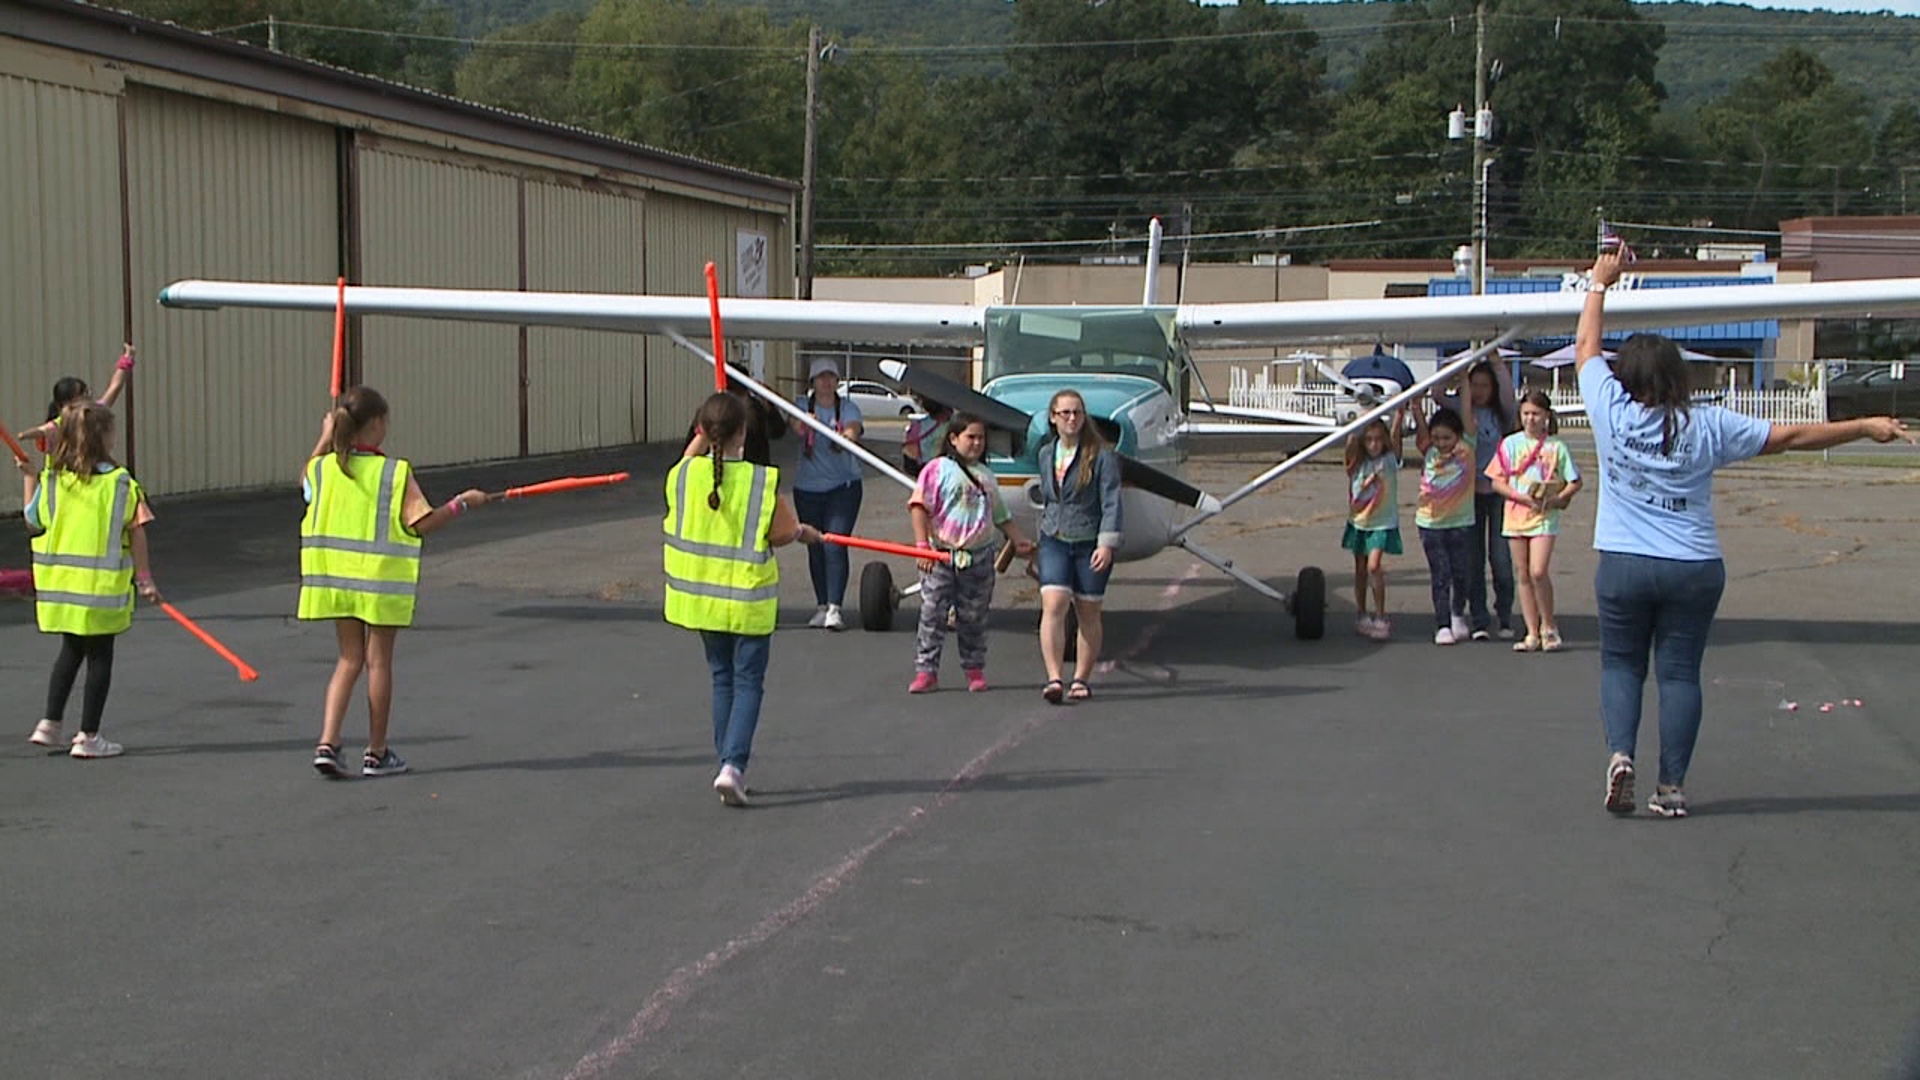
x=1373, y=518
x=1446, y=517
x=1534, y=472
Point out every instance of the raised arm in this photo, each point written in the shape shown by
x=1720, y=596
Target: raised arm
x=1881, y=429
x=1422, y=437
x=122, y=370
x=1586, y=339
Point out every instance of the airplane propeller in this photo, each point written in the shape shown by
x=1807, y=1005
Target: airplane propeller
x=999, y=414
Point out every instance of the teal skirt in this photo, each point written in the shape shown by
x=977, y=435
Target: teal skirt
x=1362, y=541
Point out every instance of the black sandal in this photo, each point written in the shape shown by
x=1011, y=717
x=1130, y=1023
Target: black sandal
x=1054, y=691
x=1079, y=690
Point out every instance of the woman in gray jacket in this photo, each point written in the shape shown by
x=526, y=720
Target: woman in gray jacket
x=1079, y=533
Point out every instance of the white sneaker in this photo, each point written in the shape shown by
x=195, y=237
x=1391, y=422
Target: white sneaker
x=1363, y=626
x=45, y=733
x=1506, y=633
x=1382, y=628
x=1443, y=636
x=1460, y=630
x=93, y=746
x=731, y=786
x=835, y=621
x=819, y=618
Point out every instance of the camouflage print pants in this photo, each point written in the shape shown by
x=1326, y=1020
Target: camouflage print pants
x=967, y=593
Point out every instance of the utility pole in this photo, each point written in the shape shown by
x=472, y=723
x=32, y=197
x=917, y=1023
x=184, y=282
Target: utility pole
x=807, y=164
x=1480, y=117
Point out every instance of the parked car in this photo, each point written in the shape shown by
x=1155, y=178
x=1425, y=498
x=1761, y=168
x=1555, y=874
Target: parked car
x=876, y=400
x=1878, y=392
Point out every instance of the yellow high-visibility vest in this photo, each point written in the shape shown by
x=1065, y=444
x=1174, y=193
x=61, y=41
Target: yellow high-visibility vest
x=83, y=562
x=358, y=560
x=721, y=573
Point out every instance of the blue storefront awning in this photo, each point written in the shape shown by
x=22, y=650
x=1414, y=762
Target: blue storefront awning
x=1752, y=336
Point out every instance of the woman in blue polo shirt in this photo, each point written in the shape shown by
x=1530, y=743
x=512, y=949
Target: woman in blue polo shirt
x=1660, y=564
x=826, y=488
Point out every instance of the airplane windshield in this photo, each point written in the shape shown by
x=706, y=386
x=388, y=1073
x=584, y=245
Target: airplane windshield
x=1129, y=341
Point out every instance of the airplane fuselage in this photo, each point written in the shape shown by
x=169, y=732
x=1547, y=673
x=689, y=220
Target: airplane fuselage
x=1137, y=415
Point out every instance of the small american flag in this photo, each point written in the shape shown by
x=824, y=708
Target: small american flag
x=1609, y=239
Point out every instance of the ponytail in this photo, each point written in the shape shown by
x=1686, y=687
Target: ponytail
x=352, y=412
x=713, y=497
x=343, y=432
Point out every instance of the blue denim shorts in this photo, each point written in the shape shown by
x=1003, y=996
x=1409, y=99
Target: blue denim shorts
x=1066, y=564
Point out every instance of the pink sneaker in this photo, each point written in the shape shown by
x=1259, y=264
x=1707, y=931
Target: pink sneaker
x=924, y=682
x=1382, y=628
x=976, y=680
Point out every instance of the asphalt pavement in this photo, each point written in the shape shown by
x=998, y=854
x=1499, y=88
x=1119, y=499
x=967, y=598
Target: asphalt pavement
x=1247, y=856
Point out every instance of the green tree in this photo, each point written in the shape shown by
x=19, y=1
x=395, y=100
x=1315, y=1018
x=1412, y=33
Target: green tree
x=360, y=35
x=1798, y=139
x=711, y=81
x=532, y=79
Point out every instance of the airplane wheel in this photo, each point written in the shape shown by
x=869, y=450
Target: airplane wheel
x=1310, y=604
x=878, y=597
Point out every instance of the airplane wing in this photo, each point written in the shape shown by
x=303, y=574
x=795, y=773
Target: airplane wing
x=747, y=320
x=1207, y=325
x=1443, y=318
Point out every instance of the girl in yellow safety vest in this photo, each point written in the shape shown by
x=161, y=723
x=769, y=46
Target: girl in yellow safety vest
x=71, y=389
x=360, y=565
x=88, y=518
x=722, y=579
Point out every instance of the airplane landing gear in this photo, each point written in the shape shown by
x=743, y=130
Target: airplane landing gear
x=878, y=598
x=1309, y=604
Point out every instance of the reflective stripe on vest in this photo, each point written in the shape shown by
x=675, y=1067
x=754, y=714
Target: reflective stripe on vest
x=82, y=562
x=721, y=575
x=356, y=558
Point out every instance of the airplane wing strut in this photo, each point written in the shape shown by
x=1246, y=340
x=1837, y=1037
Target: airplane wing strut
x=1334, y=437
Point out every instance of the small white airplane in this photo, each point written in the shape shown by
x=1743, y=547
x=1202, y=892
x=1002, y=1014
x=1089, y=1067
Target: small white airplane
x=1130, y=363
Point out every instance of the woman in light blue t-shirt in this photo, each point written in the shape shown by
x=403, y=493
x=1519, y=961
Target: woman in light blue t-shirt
x=1659, y=549
x=826, y=488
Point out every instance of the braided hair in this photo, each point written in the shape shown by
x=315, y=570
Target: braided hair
x=722, y=417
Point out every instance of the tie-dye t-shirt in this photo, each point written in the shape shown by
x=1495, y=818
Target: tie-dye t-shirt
x=1374, y=493
x=1446, y=488
x=1551, y=469
x=963, y=502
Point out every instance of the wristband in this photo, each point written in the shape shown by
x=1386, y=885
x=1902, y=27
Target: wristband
x=1594, y=286
x=125, y=363
x=455, y=507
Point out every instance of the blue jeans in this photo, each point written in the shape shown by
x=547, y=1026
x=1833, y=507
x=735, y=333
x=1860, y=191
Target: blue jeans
x=1448, y=553
x=739, y=666
x=833, y=511
x=1068, y=564
x=1490, y=546
x=1669, y=605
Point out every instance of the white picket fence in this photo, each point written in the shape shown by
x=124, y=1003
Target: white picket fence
x=1793, y=406
x=1253, y=390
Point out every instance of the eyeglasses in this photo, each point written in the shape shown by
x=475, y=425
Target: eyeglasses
x=1068, y=412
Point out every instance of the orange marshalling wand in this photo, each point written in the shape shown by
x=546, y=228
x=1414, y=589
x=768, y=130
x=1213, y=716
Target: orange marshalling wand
x=565, y=483
x=340, y=340
x=247, y=674
x=713, y=316
x=888, y=547
x=13, y=444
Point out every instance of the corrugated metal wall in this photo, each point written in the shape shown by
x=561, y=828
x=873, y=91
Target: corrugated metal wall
x=454, y=387
x=584, y=389
x=231, y=399
x=61, y=221
x=682, y=237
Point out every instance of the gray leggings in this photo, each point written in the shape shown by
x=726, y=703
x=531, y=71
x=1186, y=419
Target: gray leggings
x=968, y=593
